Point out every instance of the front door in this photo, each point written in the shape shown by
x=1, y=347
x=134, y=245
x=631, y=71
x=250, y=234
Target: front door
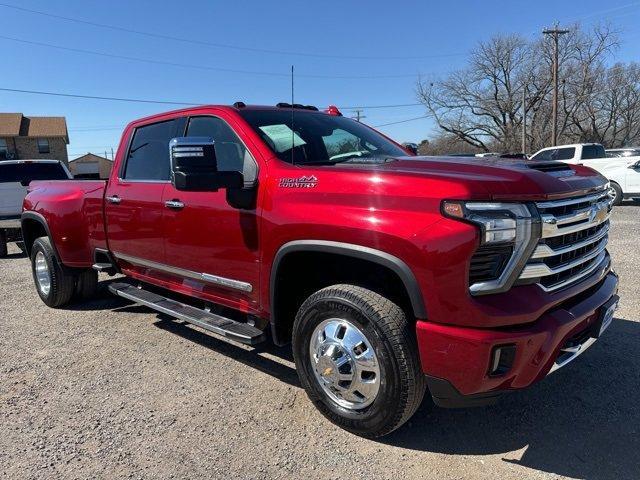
x=212, y=245
x=133, y=200
x=633, y=179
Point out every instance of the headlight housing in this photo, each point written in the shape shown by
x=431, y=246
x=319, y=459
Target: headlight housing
x=508, y=234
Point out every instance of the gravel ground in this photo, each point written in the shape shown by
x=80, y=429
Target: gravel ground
x=106, y=389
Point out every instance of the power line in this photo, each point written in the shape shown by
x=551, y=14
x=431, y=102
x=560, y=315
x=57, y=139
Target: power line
x=382, y=106
x=401, y=121
x=96, y=97
x=161, y=102
x=223, y=45
x=200, y=67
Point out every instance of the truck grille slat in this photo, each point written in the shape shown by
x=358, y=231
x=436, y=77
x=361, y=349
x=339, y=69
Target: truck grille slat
x=573, y=242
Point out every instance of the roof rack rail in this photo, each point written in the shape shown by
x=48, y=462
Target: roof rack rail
x=297, y=105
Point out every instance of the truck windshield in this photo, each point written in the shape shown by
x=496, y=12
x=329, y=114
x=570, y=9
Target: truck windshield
x=311, y=138
x=26, y=172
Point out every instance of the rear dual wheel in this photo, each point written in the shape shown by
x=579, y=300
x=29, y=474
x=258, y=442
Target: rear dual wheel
x=356, y=357
x=57, y=285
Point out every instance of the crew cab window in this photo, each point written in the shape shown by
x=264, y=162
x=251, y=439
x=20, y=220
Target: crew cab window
x=563, y=154
x=148, y=157
x=544, y=155
x=590, y=152
x=231, y=154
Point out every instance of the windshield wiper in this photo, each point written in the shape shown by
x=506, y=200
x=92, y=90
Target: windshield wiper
x=355, y=158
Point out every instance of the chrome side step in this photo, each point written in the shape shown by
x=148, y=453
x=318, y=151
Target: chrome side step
x=232, y=329
x=103, y=267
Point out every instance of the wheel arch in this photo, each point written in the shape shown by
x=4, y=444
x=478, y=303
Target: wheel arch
x=34, y=225
x=350, y=251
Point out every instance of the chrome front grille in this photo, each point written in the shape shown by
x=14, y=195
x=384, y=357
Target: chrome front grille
x=573, y=240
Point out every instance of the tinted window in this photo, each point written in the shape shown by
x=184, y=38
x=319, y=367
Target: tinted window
x=563, y=154
x=148, y=157
x=18, y=172
x=231, y=154
x=592, y=151
x=311, y=137
x=43, y=145
x=546, y=155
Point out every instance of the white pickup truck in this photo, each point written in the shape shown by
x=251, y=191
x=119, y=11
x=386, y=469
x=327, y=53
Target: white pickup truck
x=623, y=172
x=15, y=175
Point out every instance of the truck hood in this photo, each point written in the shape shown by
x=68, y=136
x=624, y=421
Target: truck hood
x=502, y=178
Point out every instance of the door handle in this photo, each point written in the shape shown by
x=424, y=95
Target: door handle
x=175, y=204
x=114, y=199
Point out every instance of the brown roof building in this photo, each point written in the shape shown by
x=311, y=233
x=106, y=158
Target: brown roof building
x=33, y=137
x=90, y=166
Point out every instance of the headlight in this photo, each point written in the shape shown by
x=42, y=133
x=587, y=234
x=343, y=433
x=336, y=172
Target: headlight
x=501, y=224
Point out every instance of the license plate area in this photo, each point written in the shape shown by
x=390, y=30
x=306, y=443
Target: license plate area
x=606, y=317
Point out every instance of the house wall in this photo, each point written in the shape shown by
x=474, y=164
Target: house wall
x=105, y=168
x=27, y=148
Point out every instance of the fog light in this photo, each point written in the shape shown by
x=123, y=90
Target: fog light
x=502, y=357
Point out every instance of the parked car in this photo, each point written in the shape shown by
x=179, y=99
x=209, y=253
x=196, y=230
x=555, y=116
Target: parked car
x=390, y=275
x=15, y=175
x=622, y=171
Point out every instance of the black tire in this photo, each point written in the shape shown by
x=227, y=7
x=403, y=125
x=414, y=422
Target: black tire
x=3, y=244
x=617, y=200
x=86, y=284
x=402, y=383
x=62, y=281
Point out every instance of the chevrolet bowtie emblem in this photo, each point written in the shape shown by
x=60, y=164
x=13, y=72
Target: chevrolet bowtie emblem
x=327, y=371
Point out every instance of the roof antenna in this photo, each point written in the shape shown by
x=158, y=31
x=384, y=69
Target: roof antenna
x=293, y=135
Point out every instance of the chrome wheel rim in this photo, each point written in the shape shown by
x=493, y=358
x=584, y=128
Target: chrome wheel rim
x=345, y=364
x=43, y=277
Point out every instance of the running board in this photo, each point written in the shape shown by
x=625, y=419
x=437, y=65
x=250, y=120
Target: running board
x=103, y=267
x=238, y=331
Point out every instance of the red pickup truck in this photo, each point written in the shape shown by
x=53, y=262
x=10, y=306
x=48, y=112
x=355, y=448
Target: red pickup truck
x=389, y=274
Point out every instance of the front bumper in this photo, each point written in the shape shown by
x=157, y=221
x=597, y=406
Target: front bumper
x=456, y=360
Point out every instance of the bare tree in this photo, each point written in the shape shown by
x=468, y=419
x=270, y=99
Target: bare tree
x=482, y=103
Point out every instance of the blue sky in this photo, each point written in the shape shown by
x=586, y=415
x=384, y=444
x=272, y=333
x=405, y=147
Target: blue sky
x=386, y=44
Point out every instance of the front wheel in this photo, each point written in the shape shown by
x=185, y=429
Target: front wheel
x=356, y=357
x=617, y=199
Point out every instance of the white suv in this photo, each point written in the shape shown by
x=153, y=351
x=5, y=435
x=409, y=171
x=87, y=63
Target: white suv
x=622, y=171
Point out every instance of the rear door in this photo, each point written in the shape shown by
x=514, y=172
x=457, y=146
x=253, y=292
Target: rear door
x=133, y=200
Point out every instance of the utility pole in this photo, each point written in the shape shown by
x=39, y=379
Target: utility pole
x=555, y=35
x=358, y=116
x=524, y=119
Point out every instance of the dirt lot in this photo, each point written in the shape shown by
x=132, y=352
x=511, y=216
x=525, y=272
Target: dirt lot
x=111, y=390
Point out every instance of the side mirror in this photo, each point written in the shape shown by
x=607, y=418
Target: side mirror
x=25, y=182
x=194, y=166
x=635, y=166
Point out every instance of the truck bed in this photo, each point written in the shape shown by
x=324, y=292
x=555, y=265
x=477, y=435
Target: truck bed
x=74, y=214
